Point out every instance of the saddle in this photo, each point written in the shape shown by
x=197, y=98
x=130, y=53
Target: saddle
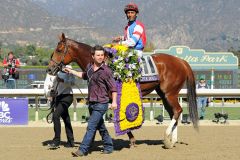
x=149, y=70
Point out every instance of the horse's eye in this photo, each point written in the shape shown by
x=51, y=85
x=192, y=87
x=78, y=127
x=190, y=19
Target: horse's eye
x=60, y=44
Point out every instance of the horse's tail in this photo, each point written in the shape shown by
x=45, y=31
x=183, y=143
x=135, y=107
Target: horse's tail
x=192, y=97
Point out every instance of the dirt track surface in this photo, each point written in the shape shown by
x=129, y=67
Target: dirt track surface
x=210, y=143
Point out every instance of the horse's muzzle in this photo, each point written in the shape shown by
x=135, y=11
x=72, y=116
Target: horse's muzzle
x=53, y=70
x=48, y=70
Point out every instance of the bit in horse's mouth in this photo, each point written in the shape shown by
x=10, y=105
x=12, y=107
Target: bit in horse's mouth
x=52, y=70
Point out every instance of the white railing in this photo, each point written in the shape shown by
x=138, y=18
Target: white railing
x=83, y=94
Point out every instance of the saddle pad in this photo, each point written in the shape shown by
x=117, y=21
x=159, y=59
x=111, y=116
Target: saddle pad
x=149, y=78
x=149, y=69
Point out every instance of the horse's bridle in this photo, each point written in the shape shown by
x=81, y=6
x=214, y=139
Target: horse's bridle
x=59, y=65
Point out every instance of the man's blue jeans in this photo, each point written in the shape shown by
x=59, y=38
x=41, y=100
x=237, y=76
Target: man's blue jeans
x=202, y=103
x=96, y=122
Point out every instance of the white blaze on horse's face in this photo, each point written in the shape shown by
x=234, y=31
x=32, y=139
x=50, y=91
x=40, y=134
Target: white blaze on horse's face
x=48, y=84
x=98, y=57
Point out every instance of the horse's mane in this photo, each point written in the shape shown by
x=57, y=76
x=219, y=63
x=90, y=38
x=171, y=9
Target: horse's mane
x=77, y=44
x=80, y=50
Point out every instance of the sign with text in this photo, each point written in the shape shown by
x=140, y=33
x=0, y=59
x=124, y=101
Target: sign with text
x=199, y=59
x=13, y=111
x=223, y=79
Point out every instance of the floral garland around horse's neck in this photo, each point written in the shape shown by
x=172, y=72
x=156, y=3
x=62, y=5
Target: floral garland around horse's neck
x=124, y=62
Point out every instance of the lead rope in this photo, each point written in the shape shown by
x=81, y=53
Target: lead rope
x=49, y=117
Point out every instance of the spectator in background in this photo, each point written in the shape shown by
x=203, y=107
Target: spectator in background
x=10, y=64
x=202, y=101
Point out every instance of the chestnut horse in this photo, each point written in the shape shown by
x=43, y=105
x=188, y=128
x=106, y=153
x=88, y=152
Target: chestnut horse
x=173, y=73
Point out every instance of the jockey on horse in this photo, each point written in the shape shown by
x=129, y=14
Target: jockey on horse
x=134, y=37
x=134, y=33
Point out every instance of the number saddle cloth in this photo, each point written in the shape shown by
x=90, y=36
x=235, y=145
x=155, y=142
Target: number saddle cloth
x=149, y=68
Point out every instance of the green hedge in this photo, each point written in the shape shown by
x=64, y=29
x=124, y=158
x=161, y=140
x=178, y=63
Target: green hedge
x=233, y=112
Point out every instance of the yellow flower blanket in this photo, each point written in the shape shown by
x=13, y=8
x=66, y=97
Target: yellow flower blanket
x=129, y=114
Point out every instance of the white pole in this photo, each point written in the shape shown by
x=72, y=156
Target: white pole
x=151, y=115
x=181, y=104
x=151, y=110
x=36, y=116
x=36, y=105
x=163, y=112
x=74, y=109
x=212, y=78
x=212, y=85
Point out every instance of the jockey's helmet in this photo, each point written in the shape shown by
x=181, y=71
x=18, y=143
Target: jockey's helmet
x=131, y=7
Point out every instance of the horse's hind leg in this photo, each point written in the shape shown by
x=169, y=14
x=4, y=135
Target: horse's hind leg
x=174, y=133
x=174, y=110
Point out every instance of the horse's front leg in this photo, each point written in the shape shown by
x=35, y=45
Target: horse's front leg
x=131, y=139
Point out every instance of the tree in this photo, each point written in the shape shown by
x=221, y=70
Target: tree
x=235, y=52
x=31, y=50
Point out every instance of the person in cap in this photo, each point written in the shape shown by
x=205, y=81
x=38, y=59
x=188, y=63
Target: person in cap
x=134, y=33
x=202, y=101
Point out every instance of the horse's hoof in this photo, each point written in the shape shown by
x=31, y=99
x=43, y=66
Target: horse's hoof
x=167, y=142
x=168, y=145
x=132, y=143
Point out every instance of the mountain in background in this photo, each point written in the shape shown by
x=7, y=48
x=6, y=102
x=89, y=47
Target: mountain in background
x=211, y=25
x=25, y=22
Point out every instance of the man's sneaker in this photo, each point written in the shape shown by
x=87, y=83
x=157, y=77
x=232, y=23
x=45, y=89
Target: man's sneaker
x=54, y=145
x=78, y=153
x=69, y=144
x=107, y=152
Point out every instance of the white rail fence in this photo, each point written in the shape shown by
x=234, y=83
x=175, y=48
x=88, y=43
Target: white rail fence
x=37, y=93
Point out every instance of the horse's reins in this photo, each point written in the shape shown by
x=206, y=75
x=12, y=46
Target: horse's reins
x=60, y=67
x=52, y=104
x=64, y=53
x=60, y=64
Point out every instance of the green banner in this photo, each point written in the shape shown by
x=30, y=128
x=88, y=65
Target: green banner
x=200, y=59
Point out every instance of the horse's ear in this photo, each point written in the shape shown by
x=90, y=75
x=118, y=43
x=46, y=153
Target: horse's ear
x=62, y=37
